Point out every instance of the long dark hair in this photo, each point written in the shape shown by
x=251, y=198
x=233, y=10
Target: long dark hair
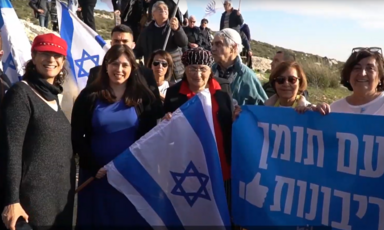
x=30, y=69
x=137, y=90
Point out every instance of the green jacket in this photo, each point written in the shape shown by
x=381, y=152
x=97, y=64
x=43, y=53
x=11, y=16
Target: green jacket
x=246, y=88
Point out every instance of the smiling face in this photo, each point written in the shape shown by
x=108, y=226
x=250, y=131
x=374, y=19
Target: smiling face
x=198, y=76
x=365, y=76
x=119, y=70
x=48, y=64
x=287, y=84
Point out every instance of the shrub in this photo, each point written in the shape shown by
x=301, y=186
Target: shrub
x=320, y=75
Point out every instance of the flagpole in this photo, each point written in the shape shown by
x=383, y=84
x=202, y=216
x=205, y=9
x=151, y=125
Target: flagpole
x=239, y=5
x=169, y=30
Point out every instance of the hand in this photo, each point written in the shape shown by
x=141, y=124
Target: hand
x=117, y=12
x=236, y=112
x=193, y=45
x=40, y=11
x=79, y=9
x=238, y=12
x=101, y=173
x=250, y=53
x=302, y=109
x=174, y=23
x=11, y=214
x=167, y=116
x=323, y=108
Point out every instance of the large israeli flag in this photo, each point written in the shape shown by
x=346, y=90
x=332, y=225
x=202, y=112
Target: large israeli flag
x=86, y=49
x=16, y=46
x=172, y=174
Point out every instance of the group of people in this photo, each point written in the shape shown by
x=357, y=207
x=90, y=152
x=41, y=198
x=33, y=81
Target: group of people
x=123, y=101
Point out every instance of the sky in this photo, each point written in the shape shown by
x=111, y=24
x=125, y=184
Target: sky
x=326, y=28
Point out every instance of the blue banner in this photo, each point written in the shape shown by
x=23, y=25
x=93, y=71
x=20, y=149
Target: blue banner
x=293, y=169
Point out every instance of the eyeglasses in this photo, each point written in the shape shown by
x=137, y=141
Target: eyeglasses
x=291, y=79
x=369, y=49
x=163, y=63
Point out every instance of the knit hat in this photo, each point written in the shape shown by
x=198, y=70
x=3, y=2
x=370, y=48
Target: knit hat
x=197, y=56
x=234, y=36
x=50, y=43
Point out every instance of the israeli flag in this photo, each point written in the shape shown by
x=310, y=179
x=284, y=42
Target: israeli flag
x=73, y=5
x=172, y=174
x=16, y=46
x=86, y=49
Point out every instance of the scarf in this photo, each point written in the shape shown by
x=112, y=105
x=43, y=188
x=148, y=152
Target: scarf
x=48, y=91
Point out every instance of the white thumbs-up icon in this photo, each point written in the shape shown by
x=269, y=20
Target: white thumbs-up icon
x=253, y=192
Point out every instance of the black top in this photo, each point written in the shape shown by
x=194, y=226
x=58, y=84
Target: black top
x=235, y=21
x=174, y=99
x=153, y=38
x=148, y=114
x=37, y=158
x=4, y=85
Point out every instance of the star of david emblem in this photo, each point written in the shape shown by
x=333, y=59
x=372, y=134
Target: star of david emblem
x=191, y=197
x=80, y=63
x=9, y=63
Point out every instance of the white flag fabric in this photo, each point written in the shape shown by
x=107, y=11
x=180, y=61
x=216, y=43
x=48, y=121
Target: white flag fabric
x=172, y=174
x=73, y=5
x=212, y=8
x=86, y=49
x=16, y=45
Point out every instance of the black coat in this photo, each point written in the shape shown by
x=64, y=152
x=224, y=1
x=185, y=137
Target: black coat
x=5, y=84
x=235, y=21
x=148, y=114
x=174, y=99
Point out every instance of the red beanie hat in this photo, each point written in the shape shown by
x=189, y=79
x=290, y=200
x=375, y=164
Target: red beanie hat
x=50, y=43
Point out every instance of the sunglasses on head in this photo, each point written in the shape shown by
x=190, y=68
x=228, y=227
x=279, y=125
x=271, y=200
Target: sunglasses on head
x=163, y=63
x=369, y=49
x=290, y=79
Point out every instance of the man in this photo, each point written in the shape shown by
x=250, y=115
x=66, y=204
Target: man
x=193, y=34
x=206, y=36
x=280, y=56
x=231, y=18
x=87, y=11
x=171, y=6
x=153, y=38
x=242, y=82
x=123, y=35
x=42, y=10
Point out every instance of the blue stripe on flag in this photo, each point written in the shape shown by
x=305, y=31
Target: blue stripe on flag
x=203, y=131
x=100, y=40
x=158, y=200
x=5, y=4
x=66, y=33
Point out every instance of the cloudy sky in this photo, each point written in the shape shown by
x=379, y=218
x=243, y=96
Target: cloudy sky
x=327, y=28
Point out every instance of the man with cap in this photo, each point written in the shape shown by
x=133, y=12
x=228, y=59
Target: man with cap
x=245, y=86
x=206, y=36
x=231, y=18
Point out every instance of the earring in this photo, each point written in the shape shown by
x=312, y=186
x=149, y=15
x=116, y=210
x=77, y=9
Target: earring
x=61, y=73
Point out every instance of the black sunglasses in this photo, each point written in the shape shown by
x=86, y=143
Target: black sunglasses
x=281, y=80
x=163, y=63
x=369, y=49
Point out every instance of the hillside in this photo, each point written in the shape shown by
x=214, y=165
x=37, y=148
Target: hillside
x=322, y=73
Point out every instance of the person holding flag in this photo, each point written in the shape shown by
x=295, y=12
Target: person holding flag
x=108, y=116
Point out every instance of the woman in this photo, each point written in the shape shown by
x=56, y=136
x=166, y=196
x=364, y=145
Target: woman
x=362, y=74
x=198, y=76
x=35, y=142
x=162, y=66
x=289, y=82
x=108, y=116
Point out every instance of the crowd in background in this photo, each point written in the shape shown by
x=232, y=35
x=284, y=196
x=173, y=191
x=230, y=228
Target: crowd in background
x=124, y=100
